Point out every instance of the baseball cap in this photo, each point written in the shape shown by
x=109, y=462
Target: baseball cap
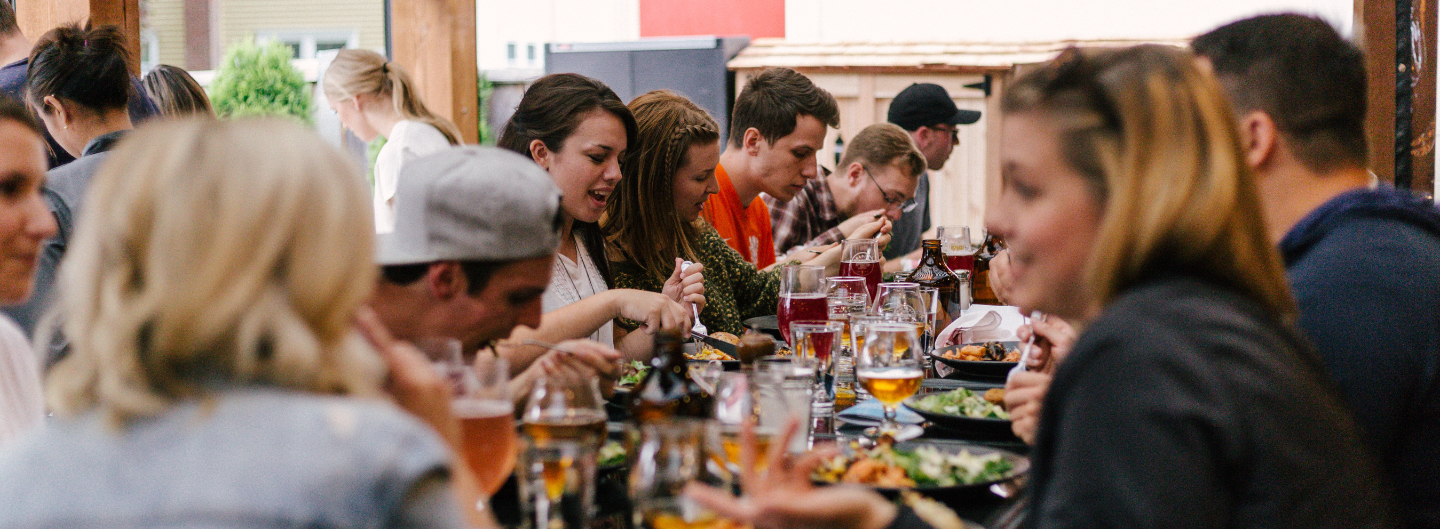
x=472, y=204
x=926, y=104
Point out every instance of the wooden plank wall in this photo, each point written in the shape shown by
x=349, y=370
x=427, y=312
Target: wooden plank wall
x=39, y=16
x=434, y=40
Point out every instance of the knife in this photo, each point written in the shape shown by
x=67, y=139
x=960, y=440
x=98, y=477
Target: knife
x=724, y=346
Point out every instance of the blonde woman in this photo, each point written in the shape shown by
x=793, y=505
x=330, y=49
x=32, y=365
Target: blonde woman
x=217, y=376
x=176, y=93
x=375, y=98
x=1187, y=400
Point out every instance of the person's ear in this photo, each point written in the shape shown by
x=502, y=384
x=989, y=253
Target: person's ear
x=1259, y=136
x=855, y=175
x=751, y=141
x=445, y=280
x=54, y=107
x=541, y=154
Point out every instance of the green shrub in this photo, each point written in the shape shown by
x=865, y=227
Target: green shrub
x=259, y=80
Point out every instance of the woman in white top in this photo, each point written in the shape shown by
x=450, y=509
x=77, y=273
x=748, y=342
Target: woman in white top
x=374, y=97
x=577, y=129
x=25, y=223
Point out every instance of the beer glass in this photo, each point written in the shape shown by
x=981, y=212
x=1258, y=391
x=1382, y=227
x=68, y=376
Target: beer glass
x=900, y=302
x=487, y=425
x=669, y=455
x=955, y=243
x=564, y=425
x=802, y=296
x=861, y=258
x=889, y=367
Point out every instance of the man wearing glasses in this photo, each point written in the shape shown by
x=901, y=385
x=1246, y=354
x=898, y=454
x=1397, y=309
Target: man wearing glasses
x=931, y=117
x=874, y=185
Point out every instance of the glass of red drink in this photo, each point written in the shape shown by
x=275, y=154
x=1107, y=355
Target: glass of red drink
x=802, y=296
x=958, y=247
x=861, y=258
x=820, y=340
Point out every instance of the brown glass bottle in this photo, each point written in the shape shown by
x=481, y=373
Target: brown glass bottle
x=667, y=391
x=932, y=272
x=980, y=282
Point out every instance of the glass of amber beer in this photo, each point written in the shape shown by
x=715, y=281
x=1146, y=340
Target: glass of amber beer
x=487, y=425
x=888, y=366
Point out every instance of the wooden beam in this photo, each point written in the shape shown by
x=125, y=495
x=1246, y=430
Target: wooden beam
x=434, y=40
x=36, y=17
x=1399, y=42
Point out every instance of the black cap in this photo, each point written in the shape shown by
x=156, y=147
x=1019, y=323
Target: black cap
x=925, y=104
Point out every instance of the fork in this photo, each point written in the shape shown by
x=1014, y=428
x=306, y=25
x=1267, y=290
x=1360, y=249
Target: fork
x=698, y=328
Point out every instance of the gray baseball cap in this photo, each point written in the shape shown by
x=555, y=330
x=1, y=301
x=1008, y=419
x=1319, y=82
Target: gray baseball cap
x=472, y=204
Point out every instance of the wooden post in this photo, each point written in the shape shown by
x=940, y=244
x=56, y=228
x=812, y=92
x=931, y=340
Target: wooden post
x=434, y=41
x=1399, y=42
x=36, y=17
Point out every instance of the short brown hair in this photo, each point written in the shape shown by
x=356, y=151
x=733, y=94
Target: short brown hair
x=175, y=92
x=885, y=144
x=1301, y=72
x=772, y=101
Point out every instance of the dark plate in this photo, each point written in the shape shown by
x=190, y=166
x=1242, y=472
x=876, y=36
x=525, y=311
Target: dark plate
x=982, y=368
x=767, y=324
x=963, y=427
x=962, y=493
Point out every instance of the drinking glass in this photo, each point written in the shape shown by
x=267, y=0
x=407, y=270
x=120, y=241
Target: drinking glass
x=900, y=302
x=487, y=421
x=957, y=245
x=846, y=296
x=563, y=425
x=889, y=367
x=802, y=296
x=930, y=297
x=783, y=388
x=861, y=257
x=735, y=404
x=845, y=368
x=819, y=340
x=669, y=455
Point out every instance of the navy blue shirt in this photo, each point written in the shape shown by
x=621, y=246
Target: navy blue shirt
x=1365, y=270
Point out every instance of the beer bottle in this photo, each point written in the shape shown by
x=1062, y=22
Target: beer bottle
x=667, y=391
x=933, y=272
x=980, y=282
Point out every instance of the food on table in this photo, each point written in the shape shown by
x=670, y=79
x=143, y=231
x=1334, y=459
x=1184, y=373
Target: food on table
x=633, y=373
x=995, y=395
x=993, y=351
x=965, y=403
x=709, y=353
x=754, y=345
x=612, y=454
x=925, y=466
x=726, y=337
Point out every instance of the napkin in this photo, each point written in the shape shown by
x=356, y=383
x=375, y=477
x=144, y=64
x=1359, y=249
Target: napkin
x=869, y=413
x=981, y=323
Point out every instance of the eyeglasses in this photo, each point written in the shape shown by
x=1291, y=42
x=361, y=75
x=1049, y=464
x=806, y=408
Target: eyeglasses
x=954, y=132
x=905, y=205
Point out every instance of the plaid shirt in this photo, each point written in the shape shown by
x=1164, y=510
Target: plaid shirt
x=809, y=219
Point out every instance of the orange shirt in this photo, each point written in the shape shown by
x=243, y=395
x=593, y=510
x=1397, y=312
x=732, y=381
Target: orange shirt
x=744, y=228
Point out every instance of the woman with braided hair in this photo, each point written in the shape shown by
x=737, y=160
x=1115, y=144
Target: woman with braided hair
x=654, y=215
x=374, y=97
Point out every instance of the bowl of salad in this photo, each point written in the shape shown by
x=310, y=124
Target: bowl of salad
x=965, y=412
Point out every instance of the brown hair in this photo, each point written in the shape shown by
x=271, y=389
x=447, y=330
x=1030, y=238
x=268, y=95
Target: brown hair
x=553, y=107
x=8, y=24
x=1301, y=72
x=1156, y=142
x=885, y=144
x=772, y=101
x=12, y=110
x=355, y=72
x=640, y=220
x=87, y=66
x=175, y=93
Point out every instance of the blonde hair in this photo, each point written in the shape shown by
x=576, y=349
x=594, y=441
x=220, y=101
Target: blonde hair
x=231, y=251
x=640, y=221
x=355, y=72
x=885, y=144
x=1157, y=144
x=176, y=93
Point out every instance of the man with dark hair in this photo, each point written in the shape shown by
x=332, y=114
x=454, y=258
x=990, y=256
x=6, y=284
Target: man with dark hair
x=1364, y=264
x=476, y=230
x=776, y=128
x=930, y=115
x=874, y=184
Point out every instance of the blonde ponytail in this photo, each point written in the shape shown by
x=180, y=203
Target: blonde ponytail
x=355, y=72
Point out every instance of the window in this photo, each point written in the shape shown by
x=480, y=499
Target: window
x=530, y=53
x=510, y=52
x=305, y=44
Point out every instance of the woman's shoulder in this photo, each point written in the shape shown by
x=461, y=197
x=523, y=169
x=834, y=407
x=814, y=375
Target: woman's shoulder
x=418, y=136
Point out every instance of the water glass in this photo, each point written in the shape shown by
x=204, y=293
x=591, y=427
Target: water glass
x=783, y=388
x=819, y=340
